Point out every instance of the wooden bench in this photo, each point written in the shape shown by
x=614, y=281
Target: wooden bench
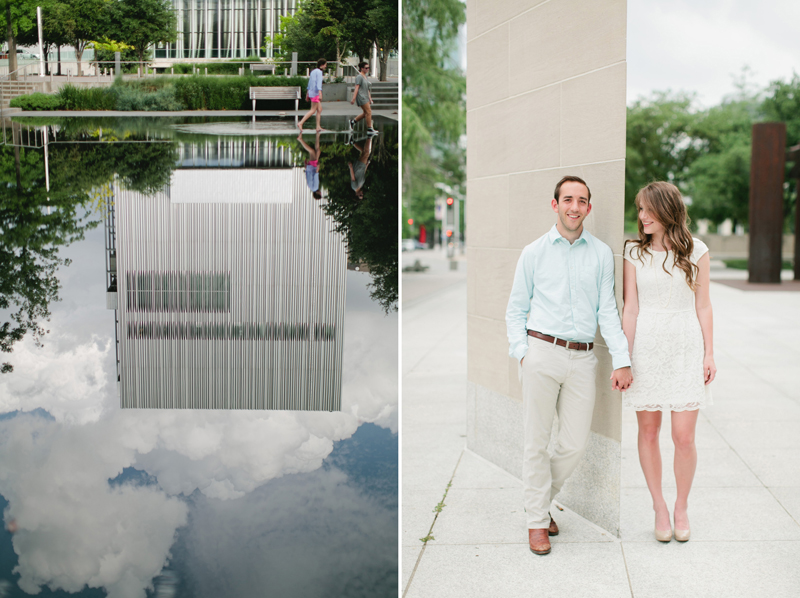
x=275, y=93
x=260, y=66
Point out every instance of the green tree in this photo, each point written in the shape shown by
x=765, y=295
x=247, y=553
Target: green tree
x=142, y=23
x=434, y=114
x=35, y=224
x=382, y=21
x=17, y=17
x=718, y=180
x=659, y=144
x=88, y=20
x=368, y=225
x=302, y=33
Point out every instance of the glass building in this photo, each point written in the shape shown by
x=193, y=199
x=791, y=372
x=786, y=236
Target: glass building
x=225, y=28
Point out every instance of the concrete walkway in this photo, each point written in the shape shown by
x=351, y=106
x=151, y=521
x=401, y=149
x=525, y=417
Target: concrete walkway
x=744, y=506
x=328, y=109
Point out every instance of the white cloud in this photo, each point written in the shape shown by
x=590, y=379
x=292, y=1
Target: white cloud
x=68, y=380
x=73, y=528
x=76, y=530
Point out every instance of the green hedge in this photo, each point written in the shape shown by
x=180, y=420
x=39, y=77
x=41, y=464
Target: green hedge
x=230, y=93
x=87, y=98
x=164, y=93
x=230, y=67
x=37, y=101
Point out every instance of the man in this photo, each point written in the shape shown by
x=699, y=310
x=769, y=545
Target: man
x=314, y=93
x=563, y=287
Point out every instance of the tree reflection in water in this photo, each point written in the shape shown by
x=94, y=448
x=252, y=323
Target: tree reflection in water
x=368, y=224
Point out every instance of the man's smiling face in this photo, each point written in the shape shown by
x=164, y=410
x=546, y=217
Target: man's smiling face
x=573, y=206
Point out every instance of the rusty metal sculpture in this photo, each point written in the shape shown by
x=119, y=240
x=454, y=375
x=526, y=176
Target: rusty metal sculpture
x=793, y=155
x=768, y=160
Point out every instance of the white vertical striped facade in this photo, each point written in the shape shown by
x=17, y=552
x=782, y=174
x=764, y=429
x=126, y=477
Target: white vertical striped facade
x=225, y=28
x=229, y=305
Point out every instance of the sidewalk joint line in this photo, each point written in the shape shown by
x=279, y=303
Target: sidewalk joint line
x=437, y=509
x=627, y=572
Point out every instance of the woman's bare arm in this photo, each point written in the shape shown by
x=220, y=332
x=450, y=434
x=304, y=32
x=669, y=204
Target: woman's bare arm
x=630, y=298
x=702, y=304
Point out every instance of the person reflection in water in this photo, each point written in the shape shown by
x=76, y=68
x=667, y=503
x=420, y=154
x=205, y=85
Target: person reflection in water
x=358, y=169
x=312, y=166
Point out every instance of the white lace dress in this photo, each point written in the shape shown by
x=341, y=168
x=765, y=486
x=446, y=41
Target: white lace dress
x=667, y=358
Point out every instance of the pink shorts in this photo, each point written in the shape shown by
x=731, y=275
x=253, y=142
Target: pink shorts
x=316, y=99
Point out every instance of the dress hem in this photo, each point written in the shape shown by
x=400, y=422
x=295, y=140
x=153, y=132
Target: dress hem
x=664, y=407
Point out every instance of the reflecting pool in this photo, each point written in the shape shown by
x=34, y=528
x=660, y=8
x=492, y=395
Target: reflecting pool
x=240, y=282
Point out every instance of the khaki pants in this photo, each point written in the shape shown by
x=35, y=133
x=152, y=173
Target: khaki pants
x=554, y=379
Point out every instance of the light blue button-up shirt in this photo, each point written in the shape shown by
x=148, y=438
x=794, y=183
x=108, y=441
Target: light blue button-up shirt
x=564, y=290
x=314, y=83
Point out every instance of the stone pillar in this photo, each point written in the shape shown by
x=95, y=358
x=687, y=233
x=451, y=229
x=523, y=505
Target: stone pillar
x=545, y=98
x=767, y=163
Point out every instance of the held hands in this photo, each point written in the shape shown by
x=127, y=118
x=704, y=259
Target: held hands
x=621, y=379
x=709, y=369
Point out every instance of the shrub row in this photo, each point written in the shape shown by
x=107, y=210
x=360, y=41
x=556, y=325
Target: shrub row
x=230, y=67
x=37, y=101
x=230, y=93
x=161, y=93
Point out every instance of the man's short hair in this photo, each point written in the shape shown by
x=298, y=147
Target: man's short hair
x=571, y=179
x=321, y=61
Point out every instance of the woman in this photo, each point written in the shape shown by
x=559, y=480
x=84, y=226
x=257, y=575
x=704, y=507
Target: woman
x=362, y=95
x=358, y=170
x=312, y=166
x=668, y=322
x=314, y=93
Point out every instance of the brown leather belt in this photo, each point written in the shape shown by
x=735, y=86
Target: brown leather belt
x=561, y=342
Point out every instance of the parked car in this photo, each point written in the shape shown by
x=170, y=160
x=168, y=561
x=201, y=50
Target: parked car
x=408, y=244
x=25, y=55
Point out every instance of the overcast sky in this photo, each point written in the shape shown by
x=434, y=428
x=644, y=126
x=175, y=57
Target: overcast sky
x=698, y=45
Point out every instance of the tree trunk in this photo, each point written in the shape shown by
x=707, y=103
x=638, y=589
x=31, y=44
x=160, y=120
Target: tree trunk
x=58, y=50
x=12, y=44
x=383, y=59
x=79, y=54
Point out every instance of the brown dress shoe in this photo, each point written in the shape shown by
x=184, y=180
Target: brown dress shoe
x=553, y=529
x=539, y=541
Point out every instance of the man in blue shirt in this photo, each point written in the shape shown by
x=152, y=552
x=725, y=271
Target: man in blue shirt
x=563, y=288
x=314, y=93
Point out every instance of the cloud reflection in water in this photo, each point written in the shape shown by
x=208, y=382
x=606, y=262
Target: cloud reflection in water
x=75, y=529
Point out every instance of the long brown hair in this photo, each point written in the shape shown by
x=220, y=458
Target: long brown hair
x=663, y=201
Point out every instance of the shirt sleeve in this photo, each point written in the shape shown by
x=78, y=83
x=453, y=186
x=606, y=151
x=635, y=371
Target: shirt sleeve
x=700, y=249
x=519, y=304
x=627, y=252
x=608, y=316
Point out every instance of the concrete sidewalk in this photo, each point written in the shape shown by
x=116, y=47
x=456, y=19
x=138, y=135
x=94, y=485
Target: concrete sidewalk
x=328, y=109
x=744, y=505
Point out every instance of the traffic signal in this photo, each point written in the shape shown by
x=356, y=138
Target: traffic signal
x=449, y=233
x=449, y=201
x=410, y=222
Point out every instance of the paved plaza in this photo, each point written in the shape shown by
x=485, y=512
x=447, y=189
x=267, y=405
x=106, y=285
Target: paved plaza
x=744, y=506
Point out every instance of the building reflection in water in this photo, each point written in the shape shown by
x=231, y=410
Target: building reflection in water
x=228, y=285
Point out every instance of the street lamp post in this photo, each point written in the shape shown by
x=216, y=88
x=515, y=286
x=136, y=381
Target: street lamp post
x=41, y=47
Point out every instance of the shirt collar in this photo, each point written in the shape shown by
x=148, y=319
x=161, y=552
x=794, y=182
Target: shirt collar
x=554, y=236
